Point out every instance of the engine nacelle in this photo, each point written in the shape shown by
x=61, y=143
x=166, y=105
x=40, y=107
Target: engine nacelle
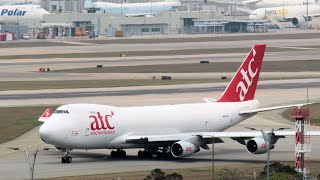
x=298, y=21
x=183, y=149
x=257, y=146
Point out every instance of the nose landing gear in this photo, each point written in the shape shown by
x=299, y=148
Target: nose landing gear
x=66, y=158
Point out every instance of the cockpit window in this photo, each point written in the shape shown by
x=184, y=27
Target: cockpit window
x=61, y=112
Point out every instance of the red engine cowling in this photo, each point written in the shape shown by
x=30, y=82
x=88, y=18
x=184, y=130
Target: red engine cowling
x=183, y=149
x=257, y=146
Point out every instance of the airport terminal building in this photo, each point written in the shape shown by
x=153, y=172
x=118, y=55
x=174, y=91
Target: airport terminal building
x=70, y=18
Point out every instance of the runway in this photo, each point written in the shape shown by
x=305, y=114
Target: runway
x=26, y=69
x=130, y=92
x=269, y=93
x=282, y=44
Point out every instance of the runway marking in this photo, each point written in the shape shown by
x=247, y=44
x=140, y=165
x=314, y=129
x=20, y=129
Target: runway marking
x=291, y=47
x=20, y=148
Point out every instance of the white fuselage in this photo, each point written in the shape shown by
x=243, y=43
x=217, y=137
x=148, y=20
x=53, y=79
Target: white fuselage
x=136, y=8
x=12, y=2
x=16, y=13
x=283, y=13
x=276, y=3
x=91, y=126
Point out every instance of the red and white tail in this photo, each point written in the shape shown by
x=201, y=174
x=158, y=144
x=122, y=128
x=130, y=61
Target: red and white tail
x=45, y=115
x=244, y=83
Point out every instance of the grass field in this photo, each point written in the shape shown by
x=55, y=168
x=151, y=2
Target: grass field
x=14, y=121
x=241, y=37
x=43, y=43
x=204, y=173
x=36, y=85
x=70, y=84
x=268, y=66
x=314, y=114
x=143, y=53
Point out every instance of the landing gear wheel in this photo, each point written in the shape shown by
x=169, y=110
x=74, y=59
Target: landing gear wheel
x=118, y=154
x=123, y=154
x=113, y=154
x=66, y=159
x=69, y=159
x=140, y=154
x=147, y=154
x=63, y=160
x=160, y=155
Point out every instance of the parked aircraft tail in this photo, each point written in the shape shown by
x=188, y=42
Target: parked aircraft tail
x=244, y=83
x=88, y=4
x=45, y=115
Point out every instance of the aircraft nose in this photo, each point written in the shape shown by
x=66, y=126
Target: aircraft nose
x=45, y=133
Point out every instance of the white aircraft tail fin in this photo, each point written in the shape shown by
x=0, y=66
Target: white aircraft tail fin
x=88, y=4
x=244, y=83
x=45, y=115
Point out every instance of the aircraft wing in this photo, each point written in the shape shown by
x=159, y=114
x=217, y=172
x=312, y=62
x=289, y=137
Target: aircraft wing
x=245, y=10
x=247, y=3
x=289, y=18
x=140, y=15
x=225, y=2
x=145, y=139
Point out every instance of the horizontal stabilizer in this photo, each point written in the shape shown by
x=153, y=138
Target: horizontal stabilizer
x=209, y=100
x=270, y=108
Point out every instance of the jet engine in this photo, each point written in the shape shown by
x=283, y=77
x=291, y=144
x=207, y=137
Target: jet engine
x=183, y=149
x=298, y=21
x=257, y=146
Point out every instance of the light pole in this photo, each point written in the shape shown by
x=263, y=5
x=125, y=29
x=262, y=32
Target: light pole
x=151, y=6
x=267, y=141
x=121, y=6
x=212, y=157
x=29, y=155
x=307, y=14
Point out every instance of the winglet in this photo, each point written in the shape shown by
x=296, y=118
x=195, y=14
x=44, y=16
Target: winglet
x=244, y=83
x=45, y=115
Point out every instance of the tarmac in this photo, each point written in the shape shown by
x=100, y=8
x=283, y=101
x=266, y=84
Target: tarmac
x=270, y=93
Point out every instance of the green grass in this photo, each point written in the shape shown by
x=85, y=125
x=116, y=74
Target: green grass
x=268, y=66
x=314, y=114
x=15, y=121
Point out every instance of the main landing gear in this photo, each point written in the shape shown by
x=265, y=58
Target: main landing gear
x=118, y=154
x=66, y=158
x=160, y=153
